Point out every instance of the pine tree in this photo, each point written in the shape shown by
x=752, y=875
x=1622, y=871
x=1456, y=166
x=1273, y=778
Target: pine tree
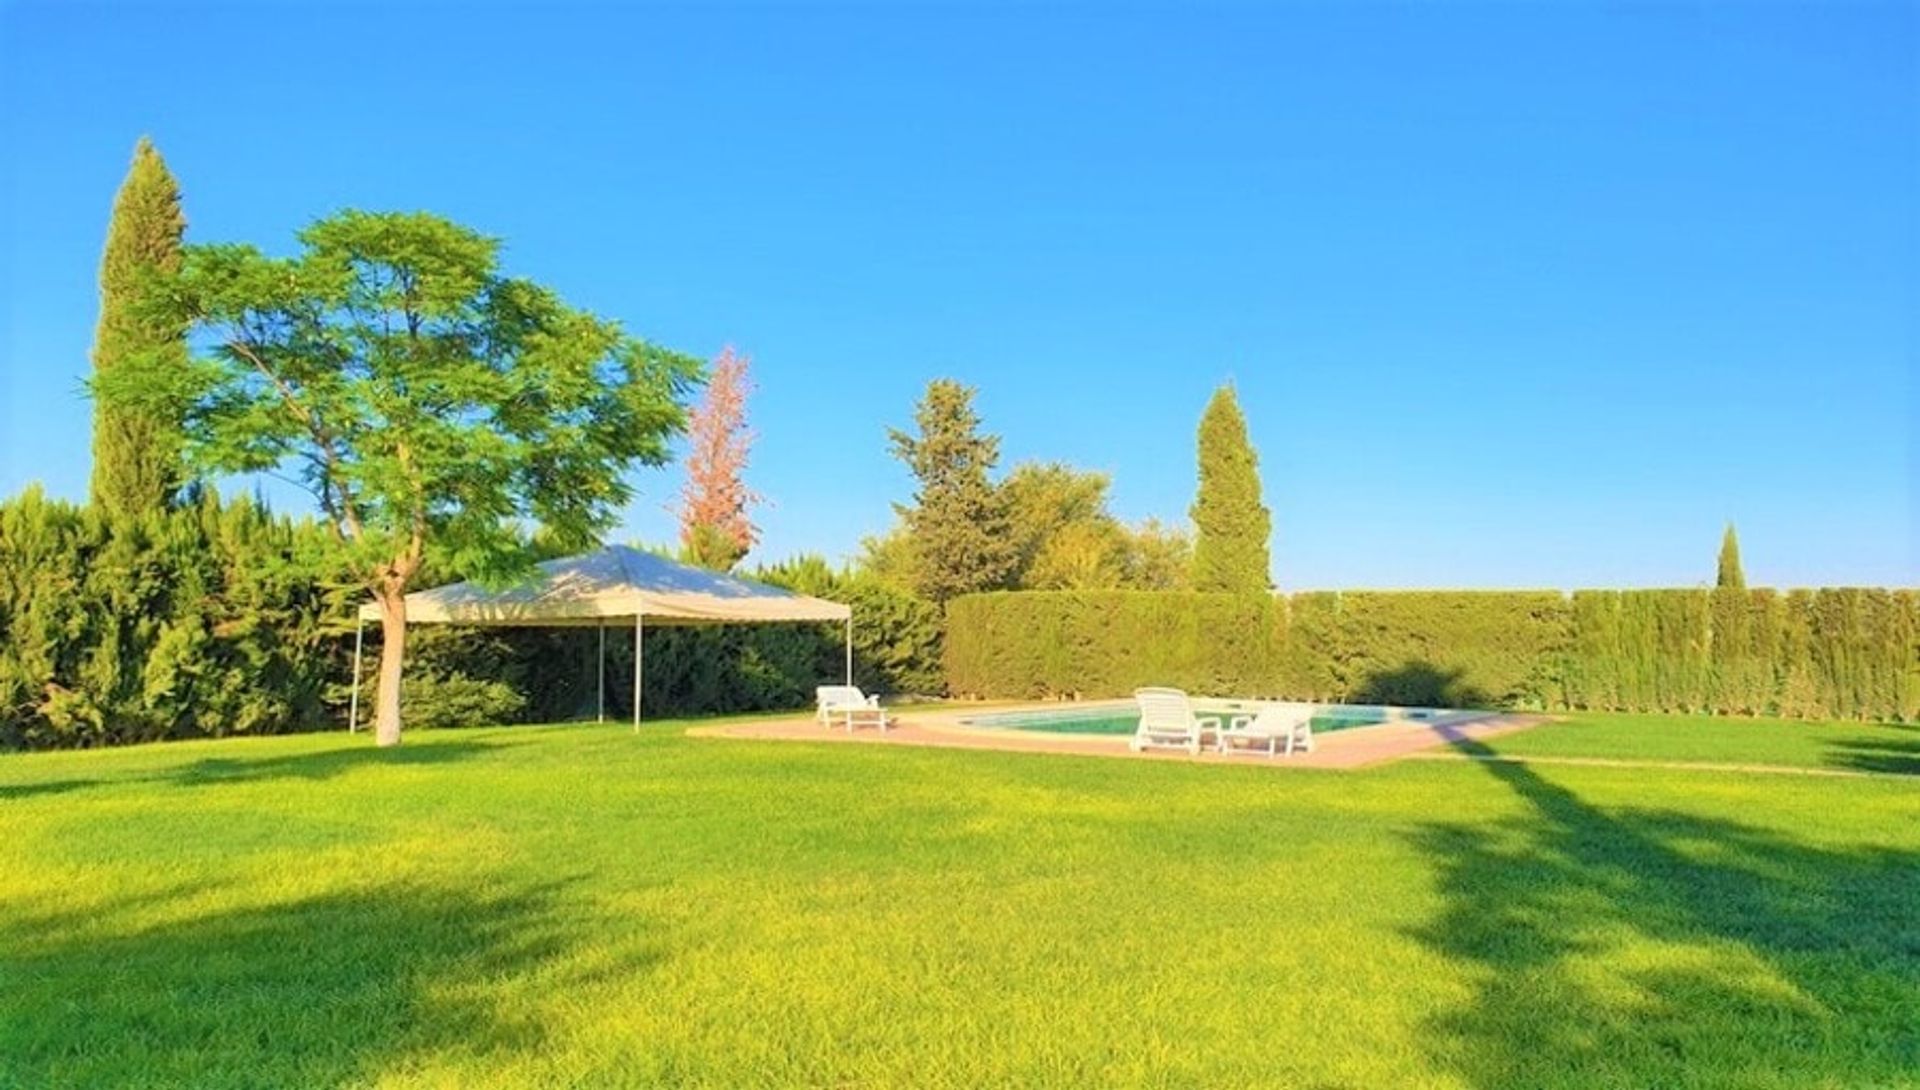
x=1731, y=577
x=136, y=449
x=960, y=532
x=1739, y=686
x=1230, y=523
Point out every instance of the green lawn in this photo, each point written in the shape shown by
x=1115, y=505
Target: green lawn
x=1859, y=747
x=580, y=907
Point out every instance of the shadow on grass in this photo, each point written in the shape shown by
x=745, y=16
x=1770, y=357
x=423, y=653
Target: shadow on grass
x=1652, y=948
x=1896, y=755
x=323, y=765
x=332, y=990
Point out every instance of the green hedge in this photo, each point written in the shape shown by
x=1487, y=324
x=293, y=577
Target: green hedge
x=207, y=620
x=1841, y=653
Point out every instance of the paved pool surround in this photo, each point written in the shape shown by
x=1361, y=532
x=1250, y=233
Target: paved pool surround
x=1355, y=747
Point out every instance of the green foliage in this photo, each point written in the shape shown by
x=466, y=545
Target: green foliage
x=1042, y=644
x=1232, y=526
x=1730, y=576
x=459, y=701
x=1836, y=653
x=433, y=407
x=136, y=448
x=1157, y=558
x=205, y=620
x=961, y=535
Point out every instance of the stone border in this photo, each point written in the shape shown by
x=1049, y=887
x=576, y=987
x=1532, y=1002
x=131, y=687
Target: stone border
x=1354, y=747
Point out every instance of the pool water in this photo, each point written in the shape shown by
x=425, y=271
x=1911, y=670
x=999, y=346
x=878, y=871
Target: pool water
x=1112, y=719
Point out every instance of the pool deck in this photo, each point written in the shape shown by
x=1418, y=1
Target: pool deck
x=1354, y=747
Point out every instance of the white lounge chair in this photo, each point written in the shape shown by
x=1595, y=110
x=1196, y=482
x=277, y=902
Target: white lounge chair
x=1276, y=728
x=849, y=705
x=1167, y=722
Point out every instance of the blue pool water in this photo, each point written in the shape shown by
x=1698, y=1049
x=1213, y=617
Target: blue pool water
x=1124, y=719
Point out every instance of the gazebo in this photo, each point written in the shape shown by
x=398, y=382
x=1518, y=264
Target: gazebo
x=612, y=587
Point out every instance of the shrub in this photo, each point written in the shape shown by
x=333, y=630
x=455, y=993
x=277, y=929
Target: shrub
x=458, y=701
x=1844, y=653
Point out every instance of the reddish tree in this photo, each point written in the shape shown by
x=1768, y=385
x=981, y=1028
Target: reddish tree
x=715, y=531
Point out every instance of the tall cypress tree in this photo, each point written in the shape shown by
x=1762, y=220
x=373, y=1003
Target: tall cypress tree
x=136, y=451
x=1730, y=577
x=961, y=535
x=1230, y=523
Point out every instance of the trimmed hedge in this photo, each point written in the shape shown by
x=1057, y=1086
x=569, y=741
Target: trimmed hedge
x=1841, y=653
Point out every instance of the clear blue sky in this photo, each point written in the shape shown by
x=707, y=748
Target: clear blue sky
x=1528, y=295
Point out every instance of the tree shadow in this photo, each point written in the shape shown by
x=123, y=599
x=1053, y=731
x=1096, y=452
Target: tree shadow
x=324, y=765
x=311, y=767
x=330, y=990
x=1418, y=684
x=1895, y=755
x=1654, y=948
x=43, y=787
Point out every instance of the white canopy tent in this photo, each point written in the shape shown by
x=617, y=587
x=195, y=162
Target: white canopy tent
x=615, y=584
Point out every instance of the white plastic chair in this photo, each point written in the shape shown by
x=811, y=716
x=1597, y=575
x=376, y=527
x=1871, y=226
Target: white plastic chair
x=1167, y=721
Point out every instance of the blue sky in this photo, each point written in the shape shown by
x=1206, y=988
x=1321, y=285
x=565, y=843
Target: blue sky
x=1530, y=295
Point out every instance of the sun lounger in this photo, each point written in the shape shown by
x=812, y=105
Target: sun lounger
x=848, y=705
x=1275, y=728
x=1167, y=721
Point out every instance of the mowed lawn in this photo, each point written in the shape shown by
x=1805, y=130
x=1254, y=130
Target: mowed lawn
x=577, y=906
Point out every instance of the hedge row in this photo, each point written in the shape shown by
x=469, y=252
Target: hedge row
x=1841, y=653
x=208, y=620
x=221, y=618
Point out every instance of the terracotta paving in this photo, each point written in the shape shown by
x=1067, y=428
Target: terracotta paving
x=1354, y=747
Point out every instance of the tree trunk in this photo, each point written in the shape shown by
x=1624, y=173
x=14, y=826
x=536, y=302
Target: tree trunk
x=393, y=647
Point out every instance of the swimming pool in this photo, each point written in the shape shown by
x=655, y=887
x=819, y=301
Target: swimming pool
x=1124, y=719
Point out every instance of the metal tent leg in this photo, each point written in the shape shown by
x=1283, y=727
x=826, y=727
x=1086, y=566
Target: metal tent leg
x=849, y=649
x=640, y=632
x=603, y=673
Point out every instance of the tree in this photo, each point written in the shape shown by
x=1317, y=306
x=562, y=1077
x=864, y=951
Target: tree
x=1230, y=523
x=136, y=448
x=1088, y=554
x=1043, y=500
x=958, y=522
x=715, y=530
x=1730, y=576
x=433, y=407
x=1157, y=558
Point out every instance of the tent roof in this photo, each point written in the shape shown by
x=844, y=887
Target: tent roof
x=616, y=583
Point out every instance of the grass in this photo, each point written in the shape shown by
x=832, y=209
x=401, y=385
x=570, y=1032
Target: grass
x=581, y=907
x=1857, y=747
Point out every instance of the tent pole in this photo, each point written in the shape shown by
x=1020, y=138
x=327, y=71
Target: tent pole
x=353, y=702
x=603, y=672
x=639, y=631
x=849, y=648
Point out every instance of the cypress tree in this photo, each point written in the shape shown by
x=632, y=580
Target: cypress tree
x=1230, y=523
x=136, y=451
x=1730, y=577
x=961, y=534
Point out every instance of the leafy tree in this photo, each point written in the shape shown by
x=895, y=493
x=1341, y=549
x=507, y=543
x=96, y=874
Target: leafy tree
x=1157, y=557
x=715, y=530
x=889, y=559
x=136, y=448
x=1232, y=525
x=433, y=406
x=1045, y=498
x=1730, y=577
x=958, y=523
x=1089, y=554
